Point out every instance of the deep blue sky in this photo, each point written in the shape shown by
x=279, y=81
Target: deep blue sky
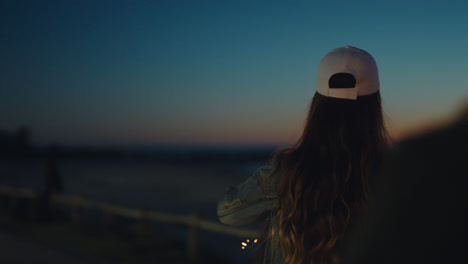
x=216, y=72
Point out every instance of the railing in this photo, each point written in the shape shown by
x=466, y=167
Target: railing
x=77, y=203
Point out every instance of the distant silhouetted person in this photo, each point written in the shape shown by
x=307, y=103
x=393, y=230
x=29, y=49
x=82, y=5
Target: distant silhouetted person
x=53, y=181
x=310, y=192
x=52, y=185
x=419, y=209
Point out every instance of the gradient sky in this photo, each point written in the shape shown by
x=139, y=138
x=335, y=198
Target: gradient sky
x=216, y=72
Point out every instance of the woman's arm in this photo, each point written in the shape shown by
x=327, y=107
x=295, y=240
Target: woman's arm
x=251, y=200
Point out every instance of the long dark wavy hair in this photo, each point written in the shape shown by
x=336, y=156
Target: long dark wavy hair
x=325, y=177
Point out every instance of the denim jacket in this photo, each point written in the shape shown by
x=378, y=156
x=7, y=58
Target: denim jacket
x=252, y=201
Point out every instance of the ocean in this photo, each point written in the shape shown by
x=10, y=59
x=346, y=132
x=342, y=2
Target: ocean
x=180, y=188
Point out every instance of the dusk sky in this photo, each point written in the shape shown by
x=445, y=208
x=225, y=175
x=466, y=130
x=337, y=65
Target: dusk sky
x=216, y=72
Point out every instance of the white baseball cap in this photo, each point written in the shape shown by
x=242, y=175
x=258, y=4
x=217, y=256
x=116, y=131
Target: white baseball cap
x=348, y=60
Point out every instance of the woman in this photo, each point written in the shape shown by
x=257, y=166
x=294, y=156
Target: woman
x=310, y=192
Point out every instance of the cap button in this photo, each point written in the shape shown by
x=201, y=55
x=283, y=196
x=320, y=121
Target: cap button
x=348, y=46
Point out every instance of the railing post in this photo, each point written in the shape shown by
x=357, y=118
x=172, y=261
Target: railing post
x=32, y=208
x=143, y=223
x=193, y=237
x=13, y=203
x=107, y=215
x=52, y=205
x=75, y=209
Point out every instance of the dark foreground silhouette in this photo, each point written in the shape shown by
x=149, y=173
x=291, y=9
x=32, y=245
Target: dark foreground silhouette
x=418, y=211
